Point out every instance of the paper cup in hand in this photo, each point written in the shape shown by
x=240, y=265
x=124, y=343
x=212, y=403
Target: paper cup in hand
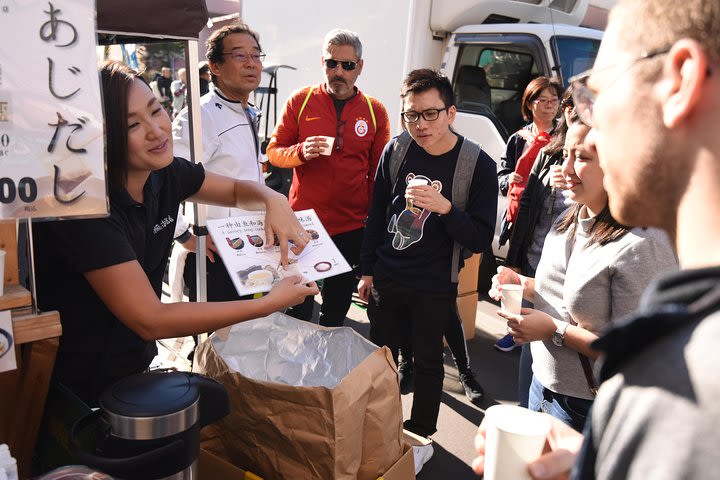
x=329, y=140
x=416, y=182
x=554, y=169
x=511, y=298
x=514, y=437
x=2, y=272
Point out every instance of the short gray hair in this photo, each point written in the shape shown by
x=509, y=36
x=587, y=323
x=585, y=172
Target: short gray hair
x=340, y=37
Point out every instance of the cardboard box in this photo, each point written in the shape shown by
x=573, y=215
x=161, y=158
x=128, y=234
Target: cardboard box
x=468, y=276
x=467, y=308
x=211, y=467
x=403, y=469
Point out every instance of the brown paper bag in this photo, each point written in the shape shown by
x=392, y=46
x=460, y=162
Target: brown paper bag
x=279, y=431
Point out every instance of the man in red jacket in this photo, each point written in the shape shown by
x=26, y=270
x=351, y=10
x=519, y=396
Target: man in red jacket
x=335, y=177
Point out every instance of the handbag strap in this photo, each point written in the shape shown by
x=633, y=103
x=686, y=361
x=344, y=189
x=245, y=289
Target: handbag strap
x=584, y=360
x=587, y=369
x=589, y=376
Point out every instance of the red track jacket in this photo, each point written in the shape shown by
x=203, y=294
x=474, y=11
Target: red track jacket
x=338, y=186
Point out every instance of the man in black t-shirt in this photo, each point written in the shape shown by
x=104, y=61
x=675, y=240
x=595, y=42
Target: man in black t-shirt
x=412, y=226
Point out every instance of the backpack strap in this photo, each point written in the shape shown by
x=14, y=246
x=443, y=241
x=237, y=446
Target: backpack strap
x=462, y=178
x=399, y=150
x=367, y=99
x=307, y=98
x=372, y=112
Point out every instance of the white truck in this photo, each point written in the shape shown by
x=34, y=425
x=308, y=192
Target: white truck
x=490, y=49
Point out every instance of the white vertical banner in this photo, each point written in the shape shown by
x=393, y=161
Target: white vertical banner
x=52, y=159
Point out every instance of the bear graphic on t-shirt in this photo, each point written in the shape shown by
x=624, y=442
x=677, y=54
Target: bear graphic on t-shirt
x=408, y=225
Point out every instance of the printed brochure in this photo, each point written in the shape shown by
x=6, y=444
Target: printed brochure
x=254, y=268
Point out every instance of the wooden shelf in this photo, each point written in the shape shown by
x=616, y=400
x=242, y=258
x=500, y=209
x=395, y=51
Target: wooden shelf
x=32, y=327
x=15, y=296
x=23, y=391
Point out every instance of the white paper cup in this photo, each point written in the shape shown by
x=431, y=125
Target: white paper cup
x=511, y=298
x=417, y=181
x=2, y=272
x=514, y=437
x=414, y=183
x=330, y=141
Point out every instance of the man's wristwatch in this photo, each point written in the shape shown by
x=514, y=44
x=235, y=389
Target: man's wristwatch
x=558, y=337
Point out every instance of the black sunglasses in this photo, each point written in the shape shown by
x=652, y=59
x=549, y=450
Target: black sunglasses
x=347, y=65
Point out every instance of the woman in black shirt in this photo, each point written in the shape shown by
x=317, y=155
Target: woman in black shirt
x=105, y=275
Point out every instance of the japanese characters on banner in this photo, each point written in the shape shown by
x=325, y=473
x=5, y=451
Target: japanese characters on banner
x=52, y=161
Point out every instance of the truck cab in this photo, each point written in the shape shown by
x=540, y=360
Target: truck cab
x=490, y=66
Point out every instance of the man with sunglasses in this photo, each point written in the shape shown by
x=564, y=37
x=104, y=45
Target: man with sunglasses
x=230, y=144
x=412, y=227
x=653, y=102
x=335, y=178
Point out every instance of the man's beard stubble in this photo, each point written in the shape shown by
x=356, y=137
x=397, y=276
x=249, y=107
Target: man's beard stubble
x=656, y=175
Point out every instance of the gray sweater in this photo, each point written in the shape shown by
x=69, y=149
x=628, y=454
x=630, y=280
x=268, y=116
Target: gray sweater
x=659, y=418
x=592, y=286
x=657, y=414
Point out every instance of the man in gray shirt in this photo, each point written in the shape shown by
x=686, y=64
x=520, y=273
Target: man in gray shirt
x=653, y=99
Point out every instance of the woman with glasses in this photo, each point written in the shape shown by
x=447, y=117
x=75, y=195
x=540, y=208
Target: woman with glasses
x=539, y=107
x=105, y=275
x=592, y=272
x=543, y=200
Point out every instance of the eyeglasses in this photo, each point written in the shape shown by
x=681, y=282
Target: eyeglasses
x=431, y=114
x=347, y=65
x=242, y=57
x=545, y=101
x=584, y=98
x=339, y=135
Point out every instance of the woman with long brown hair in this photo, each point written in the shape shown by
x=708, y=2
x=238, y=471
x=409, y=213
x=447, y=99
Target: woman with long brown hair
x=592, y=272
x=105, y=275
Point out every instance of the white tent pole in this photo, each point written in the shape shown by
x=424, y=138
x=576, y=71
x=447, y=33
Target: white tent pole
x=196, y=152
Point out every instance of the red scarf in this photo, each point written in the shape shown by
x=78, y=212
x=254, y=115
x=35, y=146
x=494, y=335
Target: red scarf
x=523, y=167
